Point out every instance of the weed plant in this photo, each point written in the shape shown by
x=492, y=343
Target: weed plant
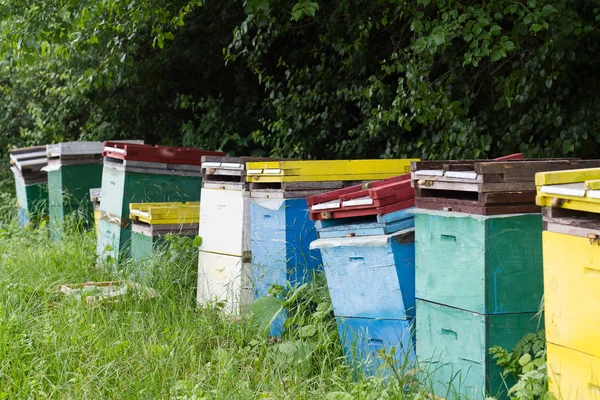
x=54, y=346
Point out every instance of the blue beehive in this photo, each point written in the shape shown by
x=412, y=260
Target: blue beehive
x=281, y=233
x=371, y=277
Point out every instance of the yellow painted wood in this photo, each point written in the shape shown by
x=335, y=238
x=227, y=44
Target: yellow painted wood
x=573, y=375
x=165, y=213
x=569, y=176
x=326, y=170
x=592, y=185
x=572, y=291
x=97, y=221
x=587, y=204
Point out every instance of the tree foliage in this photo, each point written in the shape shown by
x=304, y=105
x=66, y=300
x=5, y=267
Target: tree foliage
x=320, y=79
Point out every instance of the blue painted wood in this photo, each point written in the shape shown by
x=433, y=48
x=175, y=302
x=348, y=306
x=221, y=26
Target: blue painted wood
x=23, y=216
x=371, y=277
x=383, y=219
x=396, y=215
x=365, y=228
x=363, y=338
x=280, y=235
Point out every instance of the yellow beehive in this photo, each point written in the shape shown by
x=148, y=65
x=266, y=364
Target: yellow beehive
x=577, y=189
x=572, y=291
x=165, y=213
x=573, y=375
x=326, y=170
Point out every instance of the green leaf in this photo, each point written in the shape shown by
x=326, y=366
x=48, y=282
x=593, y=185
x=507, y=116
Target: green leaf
x=525, y=359
x=169, y=36
x=535, y=28
x=420, y=45
x=197, y=241
x=495, y=30
x=438, y=34
x=497, y=54
x=308, y=331
x=264, y=312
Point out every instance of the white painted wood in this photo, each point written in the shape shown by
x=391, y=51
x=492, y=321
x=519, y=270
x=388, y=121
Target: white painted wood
x=430, y=172
x=236, y=166
x=272, y=171
x=115, y=150
x=576, y=189
x=225, y=221
x=361, y=201
x=226, y=279
x=330, y=205
x=462, y=174
x=594, y=194
x=254, y=171
x=211, y=164
x=95, y=194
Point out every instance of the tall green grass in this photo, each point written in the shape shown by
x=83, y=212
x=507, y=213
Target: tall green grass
x=54, y=346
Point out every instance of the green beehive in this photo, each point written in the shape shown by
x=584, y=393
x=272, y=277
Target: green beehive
x=142, y=174
x=453, y=349
x=484, y=264
x=30, y=182
x=151, y=222
x=478, y=285
x=73, y=169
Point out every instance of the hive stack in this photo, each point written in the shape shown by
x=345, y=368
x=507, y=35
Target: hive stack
x=224, y=261
x=571, y=212
x=142, y=174
x=73, y=169
x=281, y=231
x=151, y=222
x=479, y=272
x=367, y=245
x=30, y=182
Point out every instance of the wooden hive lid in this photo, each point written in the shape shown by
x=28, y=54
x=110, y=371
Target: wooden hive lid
x=157, y=154
x=326, y=170
x=165, y=213
x=577, y=189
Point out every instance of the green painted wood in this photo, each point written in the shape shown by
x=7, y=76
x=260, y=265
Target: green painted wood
x=488, y=265
x=453, y=348
x=119, y=189
x=32, y=201
x=142, y=245
x=69, y=191
x=113, y=242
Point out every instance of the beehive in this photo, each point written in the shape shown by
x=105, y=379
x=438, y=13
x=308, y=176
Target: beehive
x=487, y=265
x=95, y=195
x=73, y=169
x=142, y=174
x=224, y=261
x=151, y=222
x=571, y=289
x=30, y=182
x=453, y=348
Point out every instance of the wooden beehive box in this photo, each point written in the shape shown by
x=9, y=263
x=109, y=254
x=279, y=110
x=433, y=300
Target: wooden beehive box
x=363, y=340
x=484, y=187
x=453, y=349
x=300, y=179
x=151, y=222
x=483, y=264
x=142, y=173
x=73, y=169
x=571, y=210
x=30, y=182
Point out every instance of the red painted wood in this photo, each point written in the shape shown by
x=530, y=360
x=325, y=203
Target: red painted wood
x=158, y=154
x=337, y=194
x=348, y=213
x=510, y=157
